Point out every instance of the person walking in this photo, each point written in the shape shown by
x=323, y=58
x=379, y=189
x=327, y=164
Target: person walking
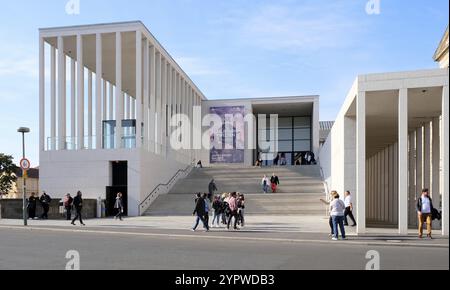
x=232, y=203
x=78, y=204
x=68, y=200
x=274, y=181
x=424, y=208
x=211, y=189
x=265, y=184
x=330, y=220
x=337, y=208
x=118, y=205
x=207, y=208
x=45, y=200
x=31, y=206
x=218, y=208
x=348, y=209
x=241, y=209
x=199, y=211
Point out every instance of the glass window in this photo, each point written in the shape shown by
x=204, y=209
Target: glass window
x=300, y=122
x=284, y=123
x=285, y=146
x=285, y=134
x=302, y=133
x=303, y=145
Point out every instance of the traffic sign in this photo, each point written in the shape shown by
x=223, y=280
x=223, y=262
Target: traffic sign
x=25, y=164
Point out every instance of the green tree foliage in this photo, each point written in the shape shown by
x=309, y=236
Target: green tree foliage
x=7, y=173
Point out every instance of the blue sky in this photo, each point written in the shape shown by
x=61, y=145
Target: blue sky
x=231, y=48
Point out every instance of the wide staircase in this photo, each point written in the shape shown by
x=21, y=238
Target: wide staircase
x=299, y=193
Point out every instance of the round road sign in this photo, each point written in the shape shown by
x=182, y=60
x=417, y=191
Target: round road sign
x=25, y=164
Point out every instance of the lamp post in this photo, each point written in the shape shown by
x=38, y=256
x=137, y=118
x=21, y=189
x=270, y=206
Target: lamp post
x=24, y=130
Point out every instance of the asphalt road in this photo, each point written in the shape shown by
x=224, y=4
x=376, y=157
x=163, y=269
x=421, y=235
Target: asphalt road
x=46, y=249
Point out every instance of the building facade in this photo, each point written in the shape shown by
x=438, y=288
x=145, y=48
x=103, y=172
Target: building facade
x=108, y=106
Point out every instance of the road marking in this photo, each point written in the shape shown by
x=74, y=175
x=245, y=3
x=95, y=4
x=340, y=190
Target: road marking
x=234, y=238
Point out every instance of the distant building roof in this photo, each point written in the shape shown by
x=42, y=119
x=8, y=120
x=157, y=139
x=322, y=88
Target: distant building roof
x=325, y=128
x=442, y=48
x=32, y=173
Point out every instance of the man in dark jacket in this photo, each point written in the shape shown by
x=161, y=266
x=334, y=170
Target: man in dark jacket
x=211, y=189
x=424, y=208
x=78, y=204
x=45, y=202
x=31, y=206
x=200, y=212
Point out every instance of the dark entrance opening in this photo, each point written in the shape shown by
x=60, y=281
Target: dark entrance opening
x=119, y=184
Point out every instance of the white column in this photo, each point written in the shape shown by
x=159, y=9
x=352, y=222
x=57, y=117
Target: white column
x=126, y=106
x=361, y=162
x=133, y=110
x=80, y=93
x=90, y=115
x=42, y=93
x=403, y=162
x=169, y=102
x=152, y=129
x=412, y=177
x=445, y=162
x=163, y=105
x=98, y=89
x=119, y=94
x=111, y=101
x=316, y=128
x=61, y=95
x=419, y=161
x=143, y=108
x=427, y=155
x=53, y=97
x=73, y=102
x=158, y=104
x=139, y=88
x=435, y=164
x=105, y=102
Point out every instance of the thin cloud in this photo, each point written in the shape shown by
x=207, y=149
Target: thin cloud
x=19, y=67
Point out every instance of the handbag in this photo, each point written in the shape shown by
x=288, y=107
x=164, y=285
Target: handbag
x=436, y=215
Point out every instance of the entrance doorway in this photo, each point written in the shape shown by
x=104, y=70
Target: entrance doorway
x=119, y=170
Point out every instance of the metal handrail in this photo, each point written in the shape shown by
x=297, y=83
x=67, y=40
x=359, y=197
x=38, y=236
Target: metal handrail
x=163, y=184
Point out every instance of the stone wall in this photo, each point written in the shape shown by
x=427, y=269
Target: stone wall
x=12, y=209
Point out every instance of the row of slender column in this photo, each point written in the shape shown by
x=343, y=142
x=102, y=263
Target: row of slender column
x=426, y=169
x=161, y=92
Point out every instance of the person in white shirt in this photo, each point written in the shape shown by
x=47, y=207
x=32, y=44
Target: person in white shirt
x=348, y=209
x=337, y=208
x=424, y=211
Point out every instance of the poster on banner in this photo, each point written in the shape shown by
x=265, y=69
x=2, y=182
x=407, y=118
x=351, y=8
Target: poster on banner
x=228, y=142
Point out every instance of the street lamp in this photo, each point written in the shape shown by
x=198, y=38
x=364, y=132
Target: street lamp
x=24, y=130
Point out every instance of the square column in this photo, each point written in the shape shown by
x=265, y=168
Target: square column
x=152, y=117
x=73, y=102
x=435, y=164
x=90, y=115
x=61, y=95
x=111, y=101
x=361, y=162
x=427, y=155
x=445, y=162
x=105, y=104
x=316, y=128
x=158, y=99
x=412, y=179
x=80, y=93
x=403, y=162
x=98, y=90
x=139, y=89
x=419, y=162
x=53, y=98
x=143, y=109
x=42, y=93
x=119, y=94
